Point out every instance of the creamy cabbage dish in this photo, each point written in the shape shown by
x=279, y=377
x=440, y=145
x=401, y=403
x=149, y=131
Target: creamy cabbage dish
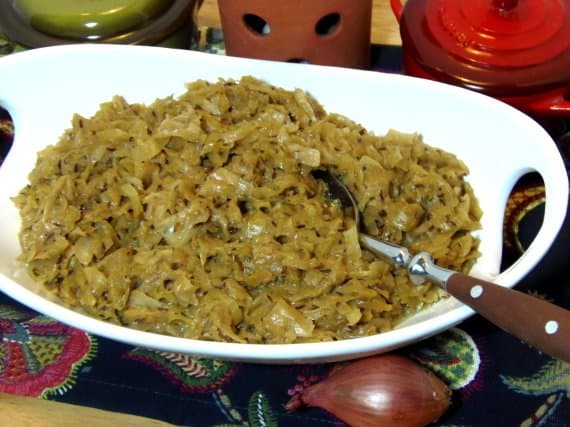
x=198, y=217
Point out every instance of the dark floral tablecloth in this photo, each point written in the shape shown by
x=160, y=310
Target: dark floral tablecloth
x=496, y=379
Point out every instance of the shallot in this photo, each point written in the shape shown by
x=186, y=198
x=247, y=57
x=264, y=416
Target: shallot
x=386, y=390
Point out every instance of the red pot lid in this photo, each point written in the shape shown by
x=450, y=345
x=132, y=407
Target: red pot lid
x=497, y=46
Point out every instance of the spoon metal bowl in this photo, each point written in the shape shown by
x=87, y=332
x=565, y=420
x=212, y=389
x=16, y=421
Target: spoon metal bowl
x=544, y=325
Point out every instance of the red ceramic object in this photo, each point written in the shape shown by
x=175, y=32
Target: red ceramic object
x=326, y=32
x=515, y=50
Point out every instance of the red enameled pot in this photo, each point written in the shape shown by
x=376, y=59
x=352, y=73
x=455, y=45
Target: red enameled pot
x=514, y=50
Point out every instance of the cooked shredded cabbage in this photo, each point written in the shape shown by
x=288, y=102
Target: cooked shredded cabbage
x=198, y=217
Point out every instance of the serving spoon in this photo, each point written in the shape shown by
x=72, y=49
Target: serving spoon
x=543, y=325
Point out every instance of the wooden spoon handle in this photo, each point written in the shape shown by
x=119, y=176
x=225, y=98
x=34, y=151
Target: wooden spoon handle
x=544, y=325
x=536, y=321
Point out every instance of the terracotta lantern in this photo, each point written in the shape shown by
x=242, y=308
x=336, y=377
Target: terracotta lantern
x=326, y=32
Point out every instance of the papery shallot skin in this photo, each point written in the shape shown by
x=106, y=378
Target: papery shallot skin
x=388, y=390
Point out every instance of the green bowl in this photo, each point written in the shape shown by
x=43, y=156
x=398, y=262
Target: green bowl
x=38, y=23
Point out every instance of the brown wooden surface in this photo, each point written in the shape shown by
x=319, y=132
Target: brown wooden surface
x=384, y=25
x=19, y=411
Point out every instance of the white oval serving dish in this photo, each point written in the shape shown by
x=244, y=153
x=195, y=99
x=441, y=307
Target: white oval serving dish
x=42, y=89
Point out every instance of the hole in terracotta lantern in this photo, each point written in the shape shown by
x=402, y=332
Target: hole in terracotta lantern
x=327, y=24
x=256, y=24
